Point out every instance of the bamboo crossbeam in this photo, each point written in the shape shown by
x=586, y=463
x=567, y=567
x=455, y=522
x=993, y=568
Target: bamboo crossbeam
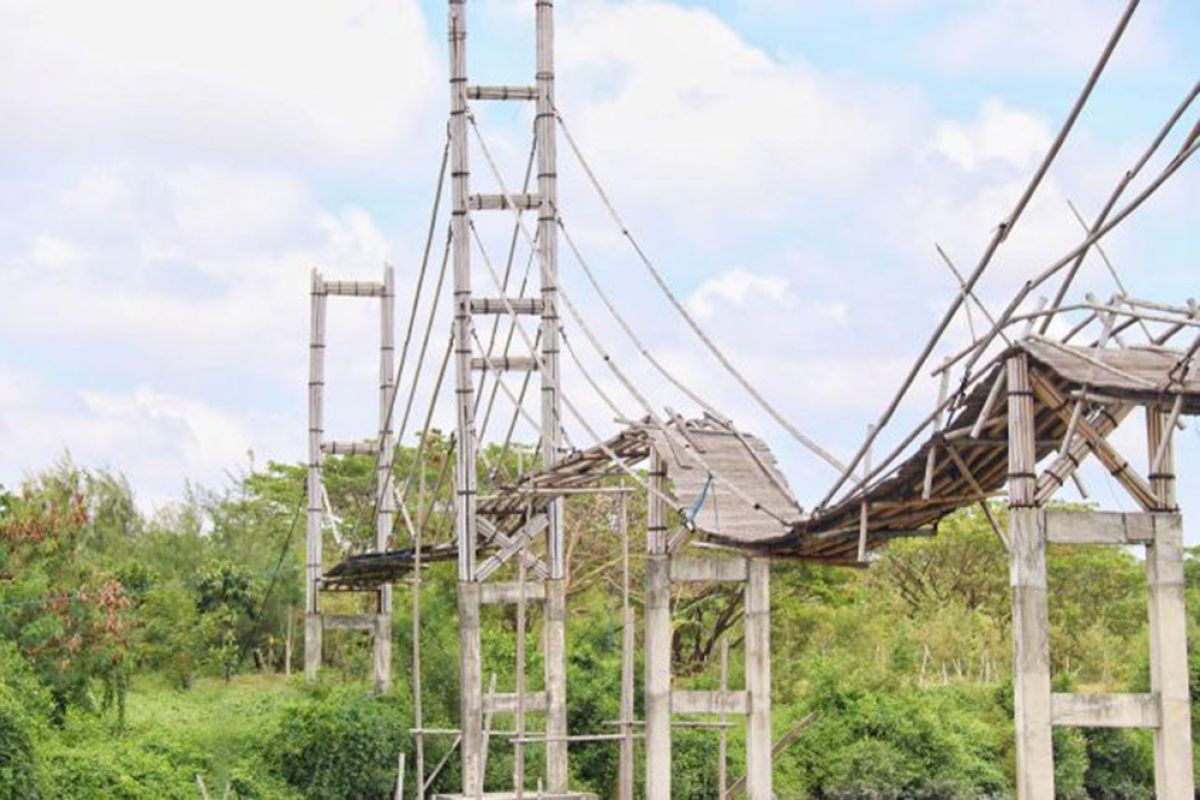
x=1098, y=444
x=501, y=202
x=501, y=93
x=521, y=305
x=354, y=288
x=1118, y=190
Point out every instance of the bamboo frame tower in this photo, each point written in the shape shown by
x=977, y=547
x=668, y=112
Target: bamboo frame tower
x=473, y=701
x=379, y=623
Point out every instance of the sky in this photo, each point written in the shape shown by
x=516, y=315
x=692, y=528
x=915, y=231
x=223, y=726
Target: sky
x=170, y=174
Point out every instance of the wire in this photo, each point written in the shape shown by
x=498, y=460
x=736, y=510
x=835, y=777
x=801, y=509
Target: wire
x=763, y=403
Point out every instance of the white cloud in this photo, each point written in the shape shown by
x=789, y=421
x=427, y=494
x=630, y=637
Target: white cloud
x=738, y=288
x=999, y=133
x=709, y=129
x=350, y=78
x=1034, y=36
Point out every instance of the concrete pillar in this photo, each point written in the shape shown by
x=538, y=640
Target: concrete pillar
x=758, y=680
x=1031, y=617
x=1173, y=776
x=470, y=688
x=658, y=677
x=1169, y=662
x=556, y=686
x=382, y=652
x=312, y=645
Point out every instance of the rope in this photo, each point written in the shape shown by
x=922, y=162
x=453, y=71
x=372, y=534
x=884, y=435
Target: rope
x=556, y=387
x=608, y=360
x=387, y=421
x=796, y=434
x=512, y=249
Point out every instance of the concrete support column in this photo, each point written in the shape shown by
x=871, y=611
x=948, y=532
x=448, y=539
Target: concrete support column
x=658, y=677
x=1168, y=661
x=1173, y=775
x=758, y=680
x=556, y=685
x=1031, y=617
x=470, y=688
x=312, y=645
x=382, y=652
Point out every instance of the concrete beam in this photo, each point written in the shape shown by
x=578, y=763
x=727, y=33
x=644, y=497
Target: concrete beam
x=1098, y=527
x=510, y=593
x=688, y=702
x=1096, y=710
x=702, y=569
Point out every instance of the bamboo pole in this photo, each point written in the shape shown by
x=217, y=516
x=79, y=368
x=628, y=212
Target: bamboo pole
x=545, y=131
x=470, y=666
x=418, y=710
x=315, y=488
x=385, y=499
x=1118, y=190
x=938, y=422
x=723, y=733
x=864, y=510
x=628, y=644
x=1002, y=232
x=1031, y=625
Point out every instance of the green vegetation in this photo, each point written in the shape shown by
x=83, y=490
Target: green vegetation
x=139, y=652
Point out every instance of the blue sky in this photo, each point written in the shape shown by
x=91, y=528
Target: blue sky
x=169, y=174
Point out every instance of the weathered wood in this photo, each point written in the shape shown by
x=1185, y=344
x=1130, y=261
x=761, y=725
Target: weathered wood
x=1133, y=373
x=700, y=569
x=1098, y=527
x=514, y=545
x=1096, y=710
x=701, y=702
x=1113, y=461
x=762, y=503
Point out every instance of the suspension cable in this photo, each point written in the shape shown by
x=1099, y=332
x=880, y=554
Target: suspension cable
x=499, y=178
x=762, y=401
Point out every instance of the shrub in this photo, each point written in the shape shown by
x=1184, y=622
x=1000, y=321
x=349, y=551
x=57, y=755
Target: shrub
x=340, y=743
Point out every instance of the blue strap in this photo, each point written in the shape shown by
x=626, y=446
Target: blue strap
x=699, y=504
